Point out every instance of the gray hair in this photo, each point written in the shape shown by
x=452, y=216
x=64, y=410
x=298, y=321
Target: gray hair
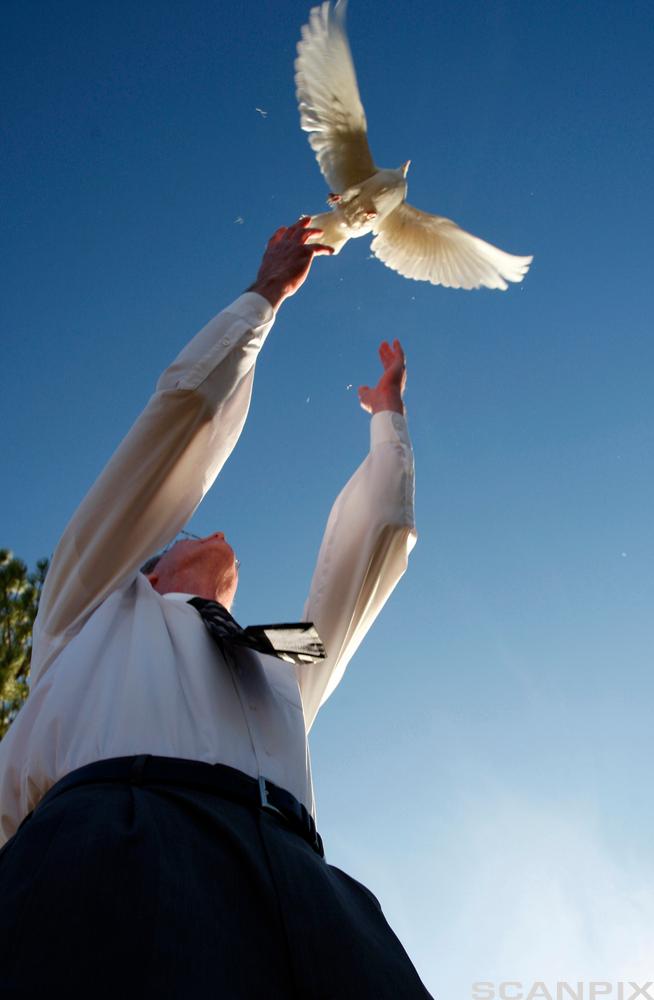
x=149, y=564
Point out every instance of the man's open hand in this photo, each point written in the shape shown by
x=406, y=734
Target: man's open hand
x=389, y=391
x=287, y=261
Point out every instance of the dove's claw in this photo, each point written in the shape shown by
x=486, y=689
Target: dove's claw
x=333, y=199
x=371, y=215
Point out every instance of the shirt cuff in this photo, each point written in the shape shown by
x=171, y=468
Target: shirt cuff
x=253, y=308
x=389, y=426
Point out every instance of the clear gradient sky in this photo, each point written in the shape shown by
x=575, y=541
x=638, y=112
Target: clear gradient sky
x=486, y=764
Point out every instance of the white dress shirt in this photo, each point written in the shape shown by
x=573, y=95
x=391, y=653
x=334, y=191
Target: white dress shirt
x=118, y=669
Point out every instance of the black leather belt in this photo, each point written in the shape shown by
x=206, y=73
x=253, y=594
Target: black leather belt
x=145, y=769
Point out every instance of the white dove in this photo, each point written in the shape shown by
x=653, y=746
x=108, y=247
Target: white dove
x=368, y=200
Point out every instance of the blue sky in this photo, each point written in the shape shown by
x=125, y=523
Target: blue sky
x=485, y=766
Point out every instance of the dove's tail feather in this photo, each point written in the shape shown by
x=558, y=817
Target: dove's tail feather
x=333, y=234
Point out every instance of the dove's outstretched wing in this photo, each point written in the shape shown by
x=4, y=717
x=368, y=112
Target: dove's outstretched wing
x=328, y=98
x=429, y=248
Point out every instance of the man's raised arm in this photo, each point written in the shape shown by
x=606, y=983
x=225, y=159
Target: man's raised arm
x=173, y=453
x=368, y=538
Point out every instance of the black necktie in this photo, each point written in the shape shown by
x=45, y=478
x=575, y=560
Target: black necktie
x=295, y=642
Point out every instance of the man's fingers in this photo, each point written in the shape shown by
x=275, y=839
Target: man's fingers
x=301, y=223
x=318, y=248
x=391, y=355
x=386, y=355
x=306, y=234
x=276, y=236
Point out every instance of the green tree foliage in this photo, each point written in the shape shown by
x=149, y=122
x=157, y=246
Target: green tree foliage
x=20, y=591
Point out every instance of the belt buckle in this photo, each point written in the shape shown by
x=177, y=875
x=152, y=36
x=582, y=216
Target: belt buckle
x=265, y=802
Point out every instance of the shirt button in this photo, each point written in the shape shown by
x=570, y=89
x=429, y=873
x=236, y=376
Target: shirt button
x=253, y=708
x=225, y=341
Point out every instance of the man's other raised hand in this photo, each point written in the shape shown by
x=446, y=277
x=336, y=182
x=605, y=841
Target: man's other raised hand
x=287, y=261
x=389, y=392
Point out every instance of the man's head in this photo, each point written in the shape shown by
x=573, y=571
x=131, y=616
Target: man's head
x=205, y=567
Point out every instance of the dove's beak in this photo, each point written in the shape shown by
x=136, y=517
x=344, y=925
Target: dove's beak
x=405, y=168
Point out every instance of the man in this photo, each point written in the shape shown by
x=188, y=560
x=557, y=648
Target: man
x=156, y=786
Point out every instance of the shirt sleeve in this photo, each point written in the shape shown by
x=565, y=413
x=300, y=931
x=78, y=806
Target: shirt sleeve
x=159, y=474
x=364, y=552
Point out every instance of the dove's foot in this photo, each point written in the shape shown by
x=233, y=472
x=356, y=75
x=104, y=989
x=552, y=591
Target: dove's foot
x=370, y=215
x=333, y=199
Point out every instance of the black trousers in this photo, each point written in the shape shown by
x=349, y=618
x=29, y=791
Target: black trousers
x=172, y=891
